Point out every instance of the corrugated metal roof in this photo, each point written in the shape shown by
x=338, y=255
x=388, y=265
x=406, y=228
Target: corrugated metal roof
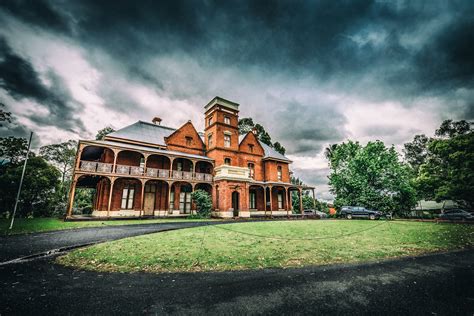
x=272, y=153
x=144, y=132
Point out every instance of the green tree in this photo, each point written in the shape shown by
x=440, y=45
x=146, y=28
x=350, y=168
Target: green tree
x=308, y=202
x=13, y=149
x=245, y=125
x=416, y=152
x=370, y=176
x=279, y=148
x=62, y=156
x=203, y=203
x=39, y=186
x=448, y=172
x=104, y=132
x=451, y=129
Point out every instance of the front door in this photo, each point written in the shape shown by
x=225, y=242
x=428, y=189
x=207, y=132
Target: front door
x=235, y=203
x=150, y=193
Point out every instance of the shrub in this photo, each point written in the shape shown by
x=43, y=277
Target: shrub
x=203, y=203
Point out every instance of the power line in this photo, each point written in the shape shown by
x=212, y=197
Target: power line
x=300, y=239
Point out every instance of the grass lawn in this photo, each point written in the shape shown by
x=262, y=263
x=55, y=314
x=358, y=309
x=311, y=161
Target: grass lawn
x=243, y=246
x=25, y=225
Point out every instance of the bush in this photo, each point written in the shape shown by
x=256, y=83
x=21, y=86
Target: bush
x=203, y=203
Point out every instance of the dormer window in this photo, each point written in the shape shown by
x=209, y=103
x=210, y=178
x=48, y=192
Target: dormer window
x=227, y=120
x=226, y=140
x=189, y=141
x=279, y=173
x=227, y=161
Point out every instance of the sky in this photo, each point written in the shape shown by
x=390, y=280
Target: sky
x=312, y=73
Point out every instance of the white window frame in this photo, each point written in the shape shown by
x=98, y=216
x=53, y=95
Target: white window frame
x=280, y=200
x=227, y=141
x=227, y=120
x=279, y=173
x=128, y=196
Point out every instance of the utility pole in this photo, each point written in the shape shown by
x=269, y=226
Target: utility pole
x=21, y=181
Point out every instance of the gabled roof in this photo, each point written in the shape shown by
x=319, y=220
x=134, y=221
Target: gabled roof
x=143, y=132
x=271, y=153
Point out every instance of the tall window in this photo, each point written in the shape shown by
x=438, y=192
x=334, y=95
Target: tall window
x=210, y=121
x=171, y=206
x=253, y=204
x=128, y=194
x=226, y=140
x=227, y=120
x=252, y=170
x=209, y=140
x=189, y=141
x=279, y=173
x=251, y=148
x=227, y=161
x=280, y=200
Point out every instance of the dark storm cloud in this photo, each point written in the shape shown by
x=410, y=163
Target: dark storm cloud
x=19, y=79
x=36, y=12
x=305, y=128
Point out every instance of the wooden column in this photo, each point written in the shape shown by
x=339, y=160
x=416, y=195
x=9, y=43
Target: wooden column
x=271, y=201
x=171, y=168
x=286, y=203
x=111, y=191
x=142, y=199
x=168, y=207
x=72, y=192
x=114, y=166
x=265, y=200
x=314, y=199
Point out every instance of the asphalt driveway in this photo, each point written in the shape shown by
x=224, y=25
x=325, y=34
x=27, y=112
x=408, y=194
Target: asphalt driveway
x=16, y=246
x=438, y=284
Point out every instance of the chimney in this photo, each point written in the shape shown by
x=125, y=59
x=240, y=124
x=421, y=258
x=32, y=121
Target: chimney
x=254, y=130
x=156, y=120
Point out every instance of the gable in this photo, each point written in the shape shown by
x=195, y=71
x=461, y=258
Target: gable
x=185, y=138
x=249, y=141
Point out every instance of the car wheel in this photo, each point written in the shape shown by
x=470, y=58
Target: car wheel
x=349, y=216
x=372, y=216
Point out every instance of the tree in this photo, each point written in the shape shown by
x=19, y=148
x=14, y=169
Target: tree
x=39, y=186
x=308, y=202
x=245, y=125
x=370, y=176
x=103, y=132
x=4, y=116
x=448, y=172
x=203, y=203
x=416, y=152
x=451, y=129
x=279, y=148
x=61, y=155
x=13, y=149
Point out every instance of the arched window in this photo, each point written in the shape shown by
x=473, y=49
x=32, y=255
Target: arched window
x=227, y=161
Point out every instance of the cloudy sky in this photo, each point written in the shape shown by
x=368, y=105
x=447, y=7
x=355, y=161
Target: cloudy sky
x=312, y=72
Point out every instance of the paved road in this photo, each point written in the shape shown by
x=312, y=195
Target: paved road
x=441, y=284
x=12, y=247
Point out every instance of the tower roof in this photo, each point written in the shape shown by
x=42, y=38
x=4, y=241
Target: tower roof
x=222, y=102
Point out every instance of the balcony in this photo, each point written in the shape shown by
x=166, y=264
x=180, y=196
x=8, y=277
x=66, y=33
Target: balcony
x=107, y=168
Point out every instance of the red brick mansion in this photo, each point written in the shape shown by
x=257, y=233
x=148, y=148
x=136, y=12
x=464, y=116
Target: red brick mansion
x=146, y=169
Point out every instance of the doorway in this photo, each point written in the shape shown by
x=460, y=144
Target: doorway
x=185, y=199
x=235, y=203
x=149, y=203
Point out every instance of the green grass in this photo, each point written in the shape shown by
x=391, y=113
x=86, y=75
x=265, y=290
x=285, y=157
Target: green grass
x=26, y=225
x=235, y=246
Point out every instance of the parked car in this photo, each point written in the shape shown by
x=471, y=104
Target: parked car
x=351, y=212
x=315, y=213
x=457, y=214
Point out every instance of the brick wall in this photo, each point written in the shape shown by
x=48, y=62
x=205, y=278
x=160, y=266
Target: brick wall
x=178, y=140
